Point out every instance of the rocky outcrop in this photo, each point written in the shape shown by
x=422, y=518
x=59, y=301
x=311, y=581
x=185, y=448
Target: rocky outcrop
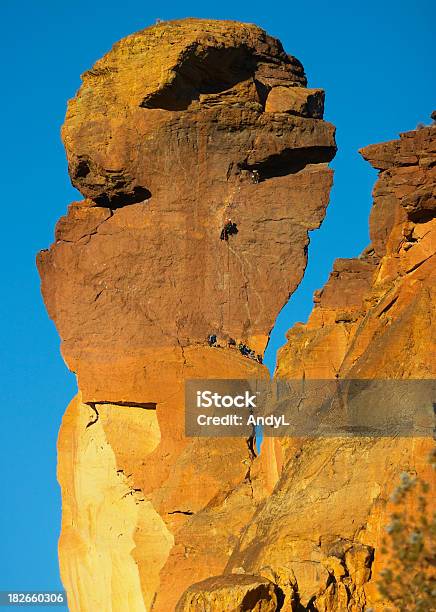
x=233, y=592
x=177, y=129
x=143, y=247
x=318, y=535
x=374, y=316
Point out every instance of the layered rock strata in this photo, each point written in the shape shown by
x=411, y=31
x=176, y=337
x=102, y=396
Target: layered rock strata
x=177, y=129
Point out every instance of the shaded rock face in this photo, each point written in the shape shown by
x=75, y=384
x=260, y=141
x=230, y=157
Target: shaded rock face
x=172, y=133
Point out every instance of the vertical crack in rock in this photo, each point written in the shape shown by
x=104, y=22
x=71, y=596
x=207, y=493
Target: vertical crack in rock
x=94, y=419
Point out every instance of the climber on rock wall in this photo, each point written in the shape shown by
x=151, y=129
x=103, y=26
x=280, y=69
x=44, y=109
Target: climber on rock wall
x=229, y=229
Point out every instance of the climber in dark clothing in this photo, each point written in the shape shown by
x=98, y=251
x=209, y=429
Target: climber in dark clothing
x=212, y=340
x=229, y=229
x=243, y=349
x=246, y=351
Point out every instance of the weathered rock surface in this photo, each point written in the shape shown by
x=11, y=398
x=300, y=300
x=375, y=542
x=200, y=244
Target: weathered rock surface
x=166, y=139
x=374, y=316
x=178, y=128
x=318, y=534
x=296, y=101
x=233, y=593
x=164, y=182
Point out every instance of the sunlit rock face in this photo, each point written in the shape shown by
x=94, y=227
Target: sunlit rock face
x=370, y=319
x=177, y=129
x=167, y=138
x=318, y=535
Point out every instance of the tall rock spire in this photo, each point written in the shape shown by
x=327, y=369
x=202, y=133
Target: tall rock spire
x=177, y=129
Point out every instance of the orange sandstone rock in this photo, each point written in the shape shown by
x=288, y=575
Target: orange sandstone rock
x=177, y=129
x=296, y=101
x=318, y=535
x=374, y=316
x=236, y=592
x=166, y=139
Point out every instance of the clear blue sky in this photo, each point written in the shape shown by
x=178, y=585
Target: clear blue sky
x=376, y=62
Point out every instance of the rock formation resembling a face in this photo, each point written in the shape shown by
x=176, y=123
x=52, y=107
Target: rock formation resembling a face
x=176, y=129
x=202, y=158
x=179, y=129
